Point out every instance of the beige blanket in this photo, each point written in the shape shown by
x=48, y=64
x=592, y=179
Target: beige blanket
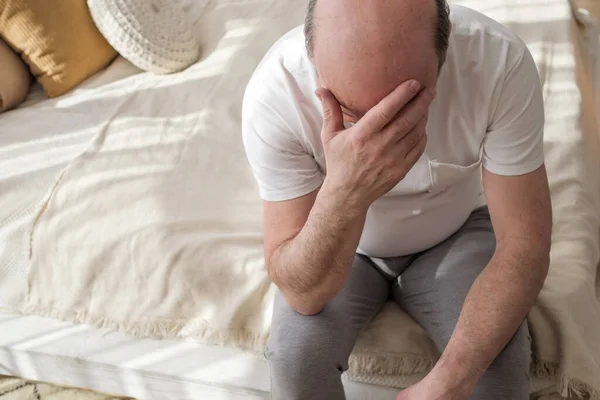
x=155, y=229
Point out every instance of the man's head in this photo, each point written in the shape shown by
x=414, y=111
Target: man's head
x=364, y=49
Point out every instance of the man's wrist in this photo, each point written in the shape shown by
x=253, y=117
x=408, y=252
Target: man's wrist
x=454, y=377
x=347, y=203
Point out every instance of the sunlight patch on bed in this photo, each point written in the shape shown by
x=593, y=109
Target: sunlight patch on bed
x=60, y=334
x=30, y=147
x=38, y=161
x=159, y=355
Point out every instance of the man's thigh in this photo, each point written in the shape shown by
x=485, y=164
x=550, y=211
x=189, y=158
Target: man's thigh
x=433, y=288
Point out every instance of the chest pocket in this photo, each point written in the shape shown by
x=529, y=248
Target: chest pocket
x=418, y=179
x=445, y=175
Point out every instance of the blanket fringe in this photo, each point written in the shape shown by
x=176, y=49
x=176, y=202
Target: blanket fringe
x=567, y=387
x=178, y=329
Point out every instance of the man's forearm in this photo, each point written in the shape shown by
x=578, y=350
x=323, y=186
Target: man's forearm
x=494, y=309
x=311, y=268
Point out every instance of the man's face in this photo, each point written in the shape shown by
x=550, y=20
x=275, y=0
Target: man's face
x=360, y=84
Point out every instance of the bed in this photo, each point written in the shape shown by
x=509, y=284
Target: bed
x=48, y=143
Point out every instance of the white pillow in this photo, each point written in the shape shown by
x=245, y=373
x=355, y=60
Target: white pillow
x=154, y=35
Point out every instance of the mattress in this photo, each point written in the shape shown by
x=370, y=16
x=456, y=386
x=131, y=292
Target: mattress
x=79, y=355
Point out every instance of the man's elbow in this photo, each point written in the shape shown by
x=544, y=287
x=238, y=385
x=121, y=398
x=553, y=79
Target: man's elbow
x=309, y=311
x=305, y=305
x=533, y=252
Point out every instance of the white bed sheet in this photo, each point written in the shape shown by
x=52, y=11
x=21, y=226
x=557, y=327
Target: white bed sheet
x=30, y=161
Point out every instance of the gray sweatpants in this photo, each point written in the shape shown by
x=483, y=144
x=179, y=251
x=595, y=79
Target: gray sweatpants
x=308, y=354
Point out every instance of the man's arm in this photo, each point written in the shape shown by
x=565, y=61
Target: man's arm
x=507, y=289
x=310, y=242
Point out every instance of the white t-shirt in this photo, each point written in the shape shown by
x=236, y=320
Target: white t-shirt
x=488, y=112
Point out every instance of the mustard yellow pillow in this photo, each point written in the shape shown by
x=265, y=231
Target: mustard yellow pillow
x=14, y=78
x=57, y=39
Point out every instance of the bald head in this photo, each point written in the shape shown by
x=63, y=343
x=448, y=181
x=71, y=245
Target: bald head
x=364, y=49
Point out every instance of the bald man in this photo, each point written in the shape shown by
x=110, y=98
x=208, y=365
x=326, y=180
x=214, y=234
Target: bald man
x=370, y=133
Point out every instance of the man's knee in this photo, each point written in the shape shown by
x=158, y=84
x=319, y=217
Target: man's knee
x=307, y=355
x=305, y=342
x=508, y=376
x=305, y=364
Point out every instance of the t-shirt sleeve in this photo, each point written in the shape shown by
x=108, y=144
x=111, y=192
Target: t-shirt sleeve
x=281, y=165
x=514, y=142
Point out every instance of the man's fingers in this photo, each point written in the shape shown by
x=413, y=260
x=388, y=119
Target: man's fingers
x=333, y=119
x=412, y=115
x=407, y=141
x=416, y=152
x=387, y=109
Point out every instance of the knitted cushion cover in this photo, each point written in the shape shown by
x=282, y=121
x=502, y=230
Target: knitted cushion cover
x=154, y=35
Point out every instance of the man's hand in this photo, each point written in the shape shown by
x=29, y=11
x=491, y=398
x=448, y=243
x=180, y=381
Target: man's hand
x=367, y=160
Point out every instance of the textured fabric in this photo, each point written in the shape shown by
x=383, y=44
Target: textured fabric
x=155, y=35
x=37, y=141
x=488, y=71
x=308, y=354
x=57, y=39
x=19, y=389
x=156, y=229
x=14, y=78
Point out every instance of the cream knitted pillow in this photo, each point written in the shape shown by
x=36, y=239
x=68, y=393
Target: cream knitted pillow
x=154, y=35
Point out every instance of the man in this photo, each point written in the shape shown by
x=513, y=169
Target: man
x=369, y=133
